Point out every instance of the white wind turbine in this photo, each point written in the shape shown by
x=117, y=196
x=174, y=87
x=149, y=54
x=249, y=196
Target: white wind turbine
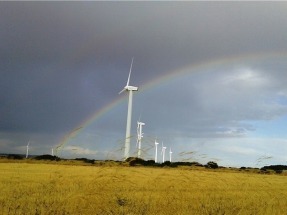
x=140, y=136
x=163, y=152
x=156, y=143
x=27, y=149
x=170, y=152
x=130, y=89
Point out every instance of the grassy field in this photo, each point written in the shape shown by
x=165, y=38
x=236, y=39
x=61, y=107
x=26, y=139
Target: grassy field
x=35, y=188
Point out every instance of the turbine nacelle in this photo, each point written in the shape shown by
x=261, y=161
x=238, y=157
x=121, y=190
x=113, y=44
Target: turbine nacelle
x=141, y=123
x=163, y=150
x=131, y=88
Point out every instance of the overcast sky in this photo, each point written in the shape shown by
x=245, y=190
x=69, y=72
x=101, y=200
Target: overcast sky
x=211, y=75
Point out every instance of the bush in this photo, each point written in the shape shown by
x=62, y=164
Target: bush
x=47, y=157
x=86, y=160
x=15, y=157
x=135, y=161
x=211, y=165
x=275, y=167
x=150, y=163
x=279, y=171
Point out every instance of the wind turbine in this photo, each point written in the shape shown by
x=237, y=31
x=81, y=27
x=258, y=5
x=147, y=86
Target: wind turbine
x=140, y=136
x=130, y=89
x=163, y=152
x=156, y=143
x=27, y=151
x=52, y=152
x=170, y=152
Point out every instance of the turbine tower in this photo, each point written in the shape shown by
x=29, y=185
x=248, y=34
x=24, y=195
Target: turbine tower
x=163, y=152
x=27, y=151
x=170, y=152
x=140, y=136
x=130, y=89
x=156, y=143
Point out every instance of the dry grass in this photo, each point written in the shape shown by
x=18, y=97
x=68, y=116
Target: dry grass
x=68, y=189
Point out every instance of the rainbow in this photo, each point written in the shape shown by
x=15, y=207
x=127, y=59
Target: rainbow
x=161, y=80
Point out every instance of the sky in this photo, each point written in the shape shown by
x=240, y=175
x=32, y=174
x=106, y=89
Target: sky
x=211, y=77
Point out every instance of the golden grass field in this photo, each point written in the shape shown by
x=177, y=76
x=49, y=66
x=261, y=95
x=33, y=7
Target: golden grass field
x=54, y=188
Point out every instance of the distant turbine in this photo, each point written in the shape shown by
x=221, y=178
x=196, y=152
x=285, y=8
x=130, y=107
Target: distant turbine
x=140, y=136
x=52, y=152
x=130, y=89
x=163, y=152
x=156, y=143
x=27, y=151
x=170, y=152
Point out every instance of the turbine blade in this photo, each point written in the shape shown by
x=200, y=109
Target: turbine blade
x=128, y=82
x=122, y=91
x=140, y=117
